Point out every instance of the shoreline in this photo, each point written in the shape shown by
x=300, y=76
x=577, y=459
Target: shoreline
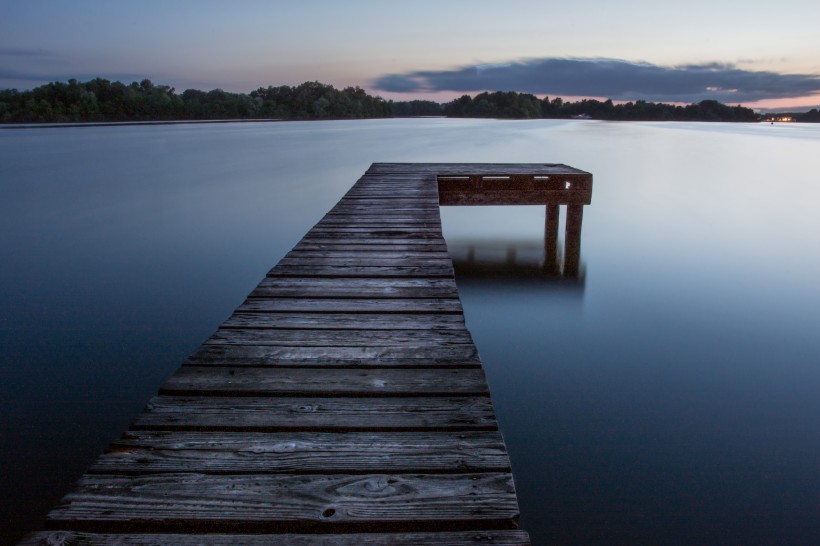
x=74, y=124
x=52, y=125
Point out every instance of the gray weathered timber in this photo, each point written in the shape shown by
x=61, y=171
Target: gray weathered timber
x=361, y=272
x=369, y=240
x=464, y=538
x=358, y=260
x=232, y=381
x=359, y=254
x=345, y=321
x=328, y=306
x=373, y=356
x=343, y=402
x=319, y=503
x=340, y=338
x=145, y=452
x=342, y=414
x=369, y=247
x=356, y=288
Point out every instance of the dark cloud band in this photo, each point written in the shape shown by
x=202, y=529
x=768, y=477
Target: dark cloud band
x=611, y=78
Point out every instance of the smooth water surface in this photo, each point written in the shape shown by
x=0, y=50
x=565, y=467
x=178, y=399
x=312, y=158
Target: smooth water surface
x=667, y=397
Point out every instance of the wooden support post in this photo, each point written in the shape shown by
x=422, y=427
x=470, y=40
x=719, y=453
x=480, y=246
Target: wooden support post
x=551, y=263
x=572, y=240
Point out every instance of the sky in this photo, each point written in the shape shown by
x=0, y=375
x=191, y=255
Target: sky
x=754, y=53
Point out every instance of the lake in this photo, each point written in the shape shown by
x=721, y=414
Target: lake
x=668, y=396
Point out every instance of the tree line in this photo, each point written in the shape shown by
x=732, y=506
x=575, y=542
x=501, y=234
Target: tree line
x=106, y=101
x=523, y=105
x=102, y=100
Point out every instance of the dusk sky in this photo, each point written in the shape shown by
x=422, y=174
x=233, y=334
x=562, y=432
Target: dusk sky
x=750, y=52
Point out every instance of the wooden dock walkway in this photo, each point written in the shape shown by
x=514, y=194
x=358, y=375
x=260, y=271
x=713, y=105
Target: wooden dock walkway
x=343, y=402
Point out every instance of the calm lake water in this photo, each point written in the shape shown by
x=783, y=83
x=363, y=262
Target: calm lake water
x=668, y=397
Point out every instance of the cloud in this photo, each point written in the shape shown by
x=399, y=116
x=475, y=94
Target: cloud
x=613, y=78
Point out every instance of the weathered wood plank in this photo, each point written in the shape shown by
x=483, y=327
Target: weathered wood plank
x=340, y=271
x=340, y=338
x=232, y=381
x=397, y=200
x=293, y=503
x=369, y=247
x=351, y=305
x=432, y=216
x=460, y=169
x=383, y=194
x=364, y=260
x=364, y=253
x=345, y=321
x=464, y=538
x=356, y=288
x=384, y=209
x=333, y=219
x=311, y=239
x=389, y=230
x=265, y=414
x=144, y=452
x=272, y=355
x=359, y=223
x=370, y=233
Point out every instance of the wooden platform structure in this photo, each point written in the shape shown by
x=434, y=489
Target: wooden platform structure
x=343, y=402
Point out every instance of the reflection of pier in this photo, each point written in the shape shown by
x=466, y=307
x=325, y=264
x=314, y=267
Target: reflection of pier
x=566, y=186
x=513, y=260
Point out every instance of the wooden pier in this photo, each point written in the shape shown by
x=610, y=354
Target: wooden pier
x=343, y=402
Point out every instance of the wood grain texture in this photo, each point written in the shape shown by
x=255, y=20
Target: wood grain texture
x=340, y=338
x=344, y=239
x=356, y=288
x=359, y=220
x=352, y=305
x=363, y=271
x=366, y=246
x=383, y=233
x=265, y=414
x=291, y=503
x=340, y=272
x=465, y=538
x=232, y=381
x=146, y=452
x=364, y=260
x=351, y=256
x=345, y=321
x=270, y=355
x=359, y=254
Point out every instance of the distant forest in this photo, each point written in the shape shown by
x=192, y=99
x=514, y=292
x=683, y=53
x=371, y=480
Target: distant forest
x=100, y=100
x=523, y=105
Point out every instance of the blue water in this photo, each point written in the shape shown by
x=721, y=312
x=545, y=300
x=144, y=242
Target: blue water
x=667, y=397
